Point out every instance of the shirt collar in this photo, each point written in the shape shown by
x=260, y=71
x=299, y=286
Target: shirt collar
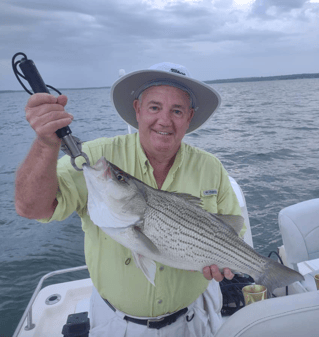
x=145, y=162
x=141, y=155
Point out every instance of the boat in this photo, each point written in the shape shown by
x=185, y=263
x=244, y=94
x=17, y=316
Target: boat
x=49, y=307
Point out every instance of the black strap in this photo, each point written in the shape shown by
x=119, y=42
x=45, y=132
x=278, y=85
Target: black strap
x=156, y=323
x=160, y=322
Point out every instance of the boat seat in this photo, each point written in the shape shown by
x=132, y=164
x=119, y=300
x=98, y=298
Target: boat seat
x=242, y=203
x=299, y=227
x=293, y=316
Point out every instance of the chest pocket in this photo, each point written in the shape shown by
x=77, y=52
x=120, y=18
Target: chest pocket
x=209, y=199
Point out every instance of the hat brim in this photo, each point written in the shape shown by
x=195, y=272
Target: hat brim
x=123, y=95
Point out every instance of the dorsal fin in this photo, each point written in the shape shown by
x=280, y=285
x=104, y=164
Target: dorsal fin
x=190, y=198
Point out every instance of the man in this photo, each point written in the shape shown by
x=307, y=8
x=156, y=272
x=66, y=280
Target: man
x=164, y=103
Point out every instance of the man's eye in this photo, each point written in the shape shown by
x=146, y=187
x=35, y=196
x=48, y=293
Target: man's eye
x=178, y=112
x=154, y=108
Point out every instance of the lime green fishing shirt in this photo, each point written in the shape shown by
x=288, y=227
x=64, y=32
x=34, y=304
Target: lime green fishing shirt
x=111, y=265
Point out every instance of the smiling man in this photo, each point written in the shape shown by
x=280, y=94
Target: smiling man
x=163, y=103
x=163, y=114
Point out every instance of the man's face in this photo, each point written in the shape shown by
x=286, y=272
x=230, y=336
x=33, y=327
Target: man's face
x=163, y=115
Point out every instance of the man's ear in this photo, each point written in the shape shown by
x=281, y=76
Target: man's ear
x=191, y=115
x=136, y=106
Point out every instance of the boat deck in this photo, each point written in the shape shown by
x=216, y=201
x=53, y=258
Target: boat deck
x=53, y=305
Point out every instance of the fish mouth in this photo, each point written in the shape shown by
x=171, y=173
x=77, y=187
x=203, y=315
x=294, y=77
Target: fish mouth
x=101, y=169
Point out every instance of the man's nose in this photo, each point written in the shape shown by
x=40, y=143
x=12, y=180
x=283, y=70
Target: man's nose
x=165, y=117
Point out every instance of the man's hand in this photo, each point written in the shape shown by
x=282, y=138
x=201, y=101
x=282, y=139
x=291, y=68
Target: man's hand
x=46, y=114
x=212, y=272
x=36, y=179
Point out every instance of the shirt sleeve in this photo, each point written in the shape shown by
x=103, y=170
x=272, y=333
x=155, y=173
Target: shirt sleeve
x=72, y=192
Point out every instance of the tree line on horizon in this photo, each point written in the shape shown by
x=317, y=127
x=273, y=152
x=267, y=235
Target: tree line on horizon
x=265, y=78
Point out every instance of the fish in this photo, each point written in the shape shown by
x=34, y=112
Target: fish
x=173, y=229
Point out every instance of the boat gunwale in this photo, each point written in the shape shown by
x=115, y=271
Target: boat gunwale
x=27, y=315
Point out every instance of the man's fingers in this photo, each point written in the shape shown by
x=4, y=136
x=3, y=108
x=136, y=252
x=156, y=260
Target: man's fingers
x=213, y=272
x=44, y=98
x=44, y=110
x=41, y=118
x=207, y=274
x=57, y=119
x=63, y=100
x=46, y=115
x=217, y=275
x=51, y=126
x=41, y=98
x=228, y=274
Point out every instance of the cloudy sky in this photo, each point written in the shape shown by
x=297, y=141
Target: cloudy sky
x=77, y=43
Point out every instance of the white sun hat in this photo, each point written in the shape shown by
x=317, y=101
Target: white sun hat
x=205, y=100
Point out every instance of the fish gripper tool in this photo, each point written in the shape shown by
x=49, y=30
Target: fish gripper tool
x=72, y=146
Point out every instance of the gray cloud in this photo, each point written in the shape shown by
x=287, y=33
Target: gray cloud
x=81, y=43
x=261, y=7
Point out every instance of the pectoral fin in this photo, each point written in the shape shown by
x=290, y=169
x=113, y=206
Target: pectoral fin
x=140, y=245
x=143, y=242
x=147, y=266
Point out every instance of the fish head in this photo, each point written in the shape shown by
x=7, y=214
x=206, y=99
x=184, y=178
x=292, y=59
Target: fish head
x=111, y=188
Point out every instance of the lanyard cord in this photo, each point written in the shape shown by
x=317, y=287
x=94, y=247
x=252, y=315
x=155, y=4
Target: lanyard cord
x=70, y=145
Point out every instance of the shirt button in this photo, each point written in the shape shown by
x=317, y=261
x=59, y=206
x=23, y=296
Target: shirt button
x=161, y=268
x=160, y=301
x=127, y=261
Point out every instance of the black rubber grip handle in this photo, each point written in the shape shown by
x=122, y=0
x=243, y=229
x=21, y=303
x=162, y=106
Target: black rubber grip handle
x=37, y=84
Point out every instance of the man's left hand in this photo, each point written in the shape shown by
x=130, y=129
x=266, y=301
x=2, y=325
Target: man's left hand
x=213, y=272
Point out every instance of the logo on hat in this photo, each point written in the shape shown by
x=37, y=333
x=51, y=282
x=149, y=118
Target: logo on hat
x=177, y=71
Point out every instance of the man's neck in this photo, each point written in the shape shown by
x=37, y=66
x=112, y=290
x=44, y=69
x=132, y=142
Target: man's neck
x=161, y=166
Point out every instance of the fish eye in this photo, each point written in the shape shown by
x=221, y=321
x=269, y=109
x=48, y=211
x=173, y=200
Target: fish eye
x=119, y=177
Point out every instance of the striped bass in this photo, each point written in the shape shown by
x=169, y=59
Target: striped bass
x=173, y=229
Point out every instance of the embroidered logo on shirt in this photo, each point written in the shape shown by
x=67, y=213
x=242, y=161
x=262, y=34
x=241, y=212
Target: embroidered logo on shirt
x=209, y=192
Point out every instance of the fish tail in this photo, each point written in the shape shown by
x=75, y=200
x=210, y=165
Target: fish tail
x=276, y=275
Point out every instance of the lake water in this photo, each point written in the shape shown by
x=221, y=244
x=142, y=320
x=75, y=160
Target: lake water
x=265, y=133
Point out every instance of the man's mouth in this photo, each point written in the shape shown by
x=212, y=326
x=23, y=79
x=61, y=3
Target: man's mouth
x=164, y=133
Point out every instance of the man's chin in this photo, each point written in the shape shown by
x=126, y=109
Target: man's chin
x=166, y=147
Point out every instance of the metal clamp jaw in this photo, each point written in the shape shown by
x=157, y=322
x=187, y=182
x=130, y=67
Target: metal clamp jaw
x=72, y=146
